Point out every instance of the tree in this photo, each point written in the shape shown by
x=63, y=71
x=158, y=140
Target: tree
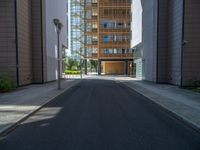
x=94, y=64
x=72, y=64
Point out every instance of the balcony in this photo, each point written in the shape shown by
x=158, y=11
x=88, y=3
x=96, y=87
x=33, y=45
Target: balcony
x=94, y=5
x=115, y=30
x=94, y=17
x=104, y=3
x=94, y=30
x=94, y=55
x=109, y=44
x=92, y=44
x=91, y=18
x=116, y=56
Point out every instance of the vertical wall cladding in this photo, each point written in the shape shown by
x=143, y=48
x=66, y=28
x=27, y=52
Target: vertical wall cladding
x=191, y=61
x=24, y=41
x=7, y=38
x=54, y=9
x=37, y=50
x=149, y=38
x=136, y=24
x=175, y=41
x=162, y=42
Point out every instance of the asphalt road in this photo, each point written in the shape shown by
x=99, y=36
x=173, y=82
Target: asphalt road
x=101, y=115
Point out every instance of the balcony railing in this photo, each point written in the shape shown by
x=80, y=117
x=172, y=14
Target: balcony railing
x=115, y=30
x=115, y=43
x=121, y=56
x=108, y=4
x=94, y=5
x=94, y=55
x=93, y=43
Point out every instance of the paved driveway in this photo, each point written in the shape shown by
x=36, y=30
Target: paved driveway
x=101, y=115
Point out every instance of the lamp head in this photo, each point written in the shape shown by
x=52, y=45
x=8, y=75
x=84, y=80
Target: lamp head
x=56, y=21
x=60, y=25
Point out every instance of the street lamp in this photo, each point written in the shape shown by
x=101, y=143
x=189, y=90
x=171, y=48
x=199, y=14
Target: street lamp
x=58, y=26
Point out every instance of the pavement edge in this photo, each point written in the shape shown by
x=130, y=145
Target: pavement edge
x=13, y=126
x=172, y=113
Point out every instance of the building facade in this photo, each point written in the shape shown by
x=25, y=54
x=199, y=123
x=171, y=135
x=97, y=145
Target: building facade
x=107, y=35
x=28, y=43
x=171, y=41
x=114, y=51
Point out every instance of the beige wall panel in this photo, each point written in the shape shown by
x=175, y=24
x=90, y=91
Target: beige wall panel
x=114, y=67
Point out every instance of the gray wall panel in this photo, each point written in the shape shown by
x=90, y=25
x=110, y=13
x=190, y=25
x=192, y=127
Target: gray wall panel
x=191, y=65
x=162, y=42
x=175, y=41
x=149, y=38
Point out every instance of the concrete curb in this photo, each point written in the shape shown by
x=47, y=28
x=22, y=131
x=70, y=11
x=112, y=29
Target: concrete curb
x=166, y=109
x=13, y=126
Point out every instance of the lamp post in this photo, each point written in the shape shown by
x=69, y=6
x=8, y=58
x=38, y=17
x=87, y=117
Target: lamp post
x=58, y=26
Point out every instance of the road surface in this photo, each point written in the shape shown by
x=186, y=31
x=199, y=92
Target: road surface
x=101, y=115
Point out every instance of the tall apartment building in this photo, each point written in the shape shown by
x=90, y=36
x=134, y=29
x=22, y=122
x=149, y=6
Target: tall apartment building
x=28, y=43
x=107, y=35
x=171, y=41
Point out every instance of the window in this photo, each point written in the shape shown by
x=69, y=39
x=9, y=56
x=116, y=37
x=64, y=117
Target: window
x=106, y=51
x=106, y=39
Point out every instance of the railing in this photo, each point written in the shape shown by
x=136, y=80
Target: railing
x=94, y=29
x=94, y=4
x=121, y=43
x=122, y=56
x=106, y=4
x=115, y=30
x=94, y=43
x=94, y=17
x=94, y=55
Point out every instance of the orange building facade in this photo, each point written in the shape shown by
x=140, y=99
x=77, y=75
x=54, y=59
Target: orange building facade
x=107, y=35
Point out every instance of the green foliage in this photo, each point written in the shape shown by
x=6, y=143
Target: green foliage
x=195, y=83
x=196, y=90
x=94, y=64
x=6, y=84
x=72, y=64
x=72, y=72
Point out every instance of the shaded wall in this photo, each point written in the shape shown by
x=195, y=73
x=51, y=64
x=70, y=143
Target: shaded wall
x=8, y=39
x=24, y=41
x=191, y=61
x=162, y=42
x=149, y=38
x=175, y=21
x=37, y=41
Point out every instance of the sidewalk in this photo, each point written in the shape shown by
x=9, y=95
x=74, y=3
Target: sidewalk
x=181, y=103
x=19, y=104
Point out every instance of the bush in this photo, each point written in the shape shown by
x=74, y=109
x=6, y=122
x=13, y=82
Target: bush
x=6, y=84
x=72, y=72
x=195, y=83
